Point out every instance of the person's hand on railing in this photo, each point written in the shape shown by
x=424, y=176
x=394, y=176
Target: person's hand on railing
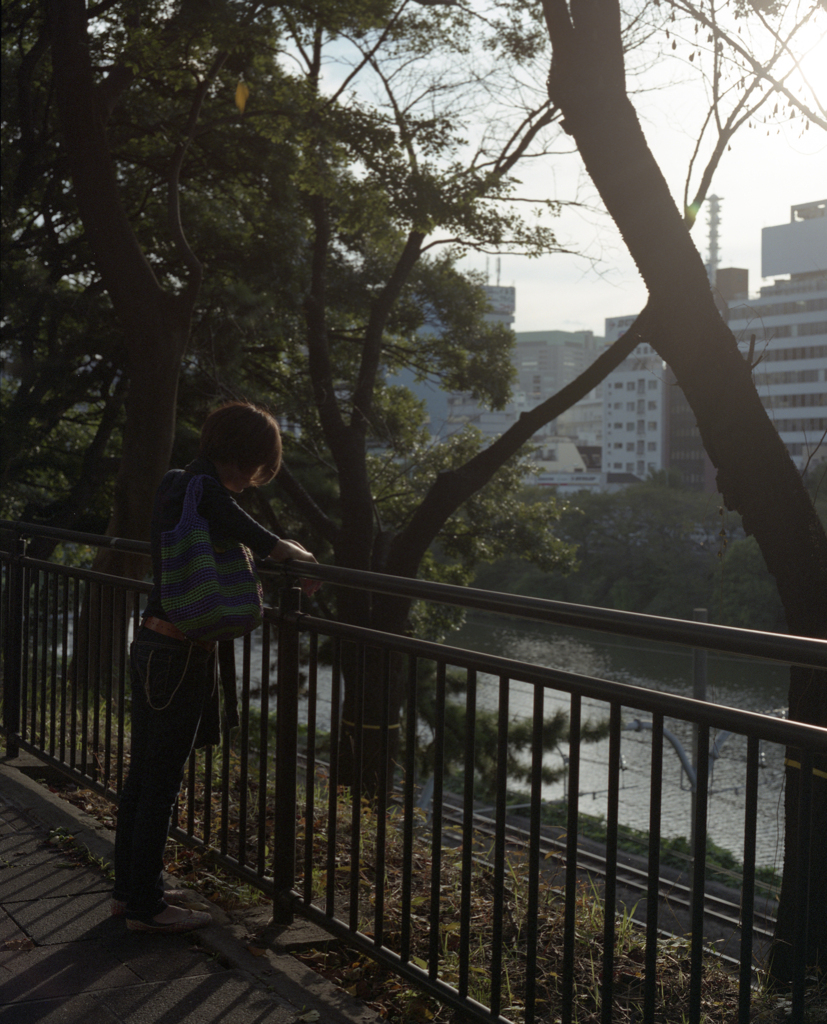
x=293, y=549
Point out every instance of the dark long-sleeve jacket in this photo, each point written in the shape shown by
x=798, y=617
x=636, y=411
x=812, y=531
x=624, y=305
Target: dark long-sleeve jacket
x=227, y=520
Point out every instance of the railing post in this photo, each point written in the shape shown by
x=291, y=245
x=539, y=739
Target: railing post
x=13, y=650
x=287, y=719
x=699, y=693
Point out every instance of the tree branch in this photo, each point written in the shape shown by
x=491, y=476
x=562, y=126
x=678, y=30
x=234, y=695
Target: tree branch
x=173, y=187
x=453, y=487
x=306, y=506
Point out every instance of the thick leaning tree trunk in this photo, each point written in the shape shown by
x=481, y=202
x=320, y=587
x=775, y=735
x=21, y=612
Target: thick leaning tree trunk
x=156, y=323
x=755, y=474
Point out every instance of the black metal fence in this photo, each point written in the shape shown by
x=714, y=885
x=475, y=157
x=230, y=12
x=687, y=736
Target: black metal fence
x=412, y=883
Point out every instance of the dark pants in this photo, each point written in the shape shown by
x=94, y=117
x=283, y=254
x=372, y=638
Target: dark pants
x=171, y=682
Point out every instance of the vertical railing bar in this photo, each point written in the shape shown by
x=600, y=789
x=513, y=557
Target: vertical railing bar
x=208, y=777
x=382, y=803
x=64, y=668
x=287, y=720
x=84, y=706
x=356, y=791
x=129, y=598
x=534, y=832
x=115, y=619
x=76, y=646
x=243, y=773
x=96, y=701
x=333, y=780
x=224, y=669
x=310, y=766
x=13, y=675
x=498, y=905
x=191, y=777
x=696, y=952
x=610, y=890
x=36, y=699
x=43, y=664
x=224, y=827
x=802, y=884
x=571, y=859
x=653, y=889
x=436, y=821
x=25, y=675
x=263, y=748
x=409, y=793
x=467, y=865
x=53, y=687
x=748, y=890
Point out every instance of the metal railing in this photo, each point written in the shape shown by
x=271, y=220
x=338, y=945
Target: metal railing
x=279, y=815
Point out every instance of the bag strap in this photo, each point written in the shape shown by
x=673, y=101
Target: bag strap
x=192, y=497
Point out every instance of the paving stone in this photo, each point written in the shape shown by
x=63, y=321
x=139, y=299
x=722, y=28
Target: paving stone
x=160, y=957
x=52, y=972
x=19, y=847
x=219, y=999
x=12, y=820
x=10, y=930
x=40, y=873
x=59, y=919
x=86, y=1009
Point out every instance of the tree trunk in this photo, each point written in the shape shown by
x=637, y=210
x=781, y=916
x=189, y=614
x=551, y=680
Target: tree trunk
x=156, y=323
x=756, y=476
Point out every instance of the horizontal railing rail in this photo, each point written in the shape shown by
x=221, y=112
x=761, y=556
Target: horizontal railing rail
x=404, y=886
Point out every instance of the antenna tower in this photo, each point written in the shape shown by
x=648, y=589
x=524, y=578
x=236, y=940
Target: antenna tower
x=714, y=222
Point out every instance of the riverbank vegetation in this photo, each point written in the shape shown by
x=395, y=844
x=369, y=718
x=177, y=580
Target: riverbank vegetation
x=657, y=548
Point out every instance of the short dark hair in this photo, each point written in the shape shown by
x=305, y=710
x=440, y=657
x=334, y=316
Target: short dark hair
x=243, y=435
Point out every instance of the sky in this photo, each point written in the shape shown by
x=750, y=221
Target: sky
x=758, y=181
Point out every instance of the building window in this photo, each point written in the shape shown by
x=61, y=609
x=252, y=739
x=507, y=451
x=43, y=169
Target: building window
x=630, y=467
x=652, y=446
x=653, y=425
x=630, y=426
x=640, y=468
x=630, y=407
x=651, y=384
x=630, y=446
x=630, y=385
x=653, y=405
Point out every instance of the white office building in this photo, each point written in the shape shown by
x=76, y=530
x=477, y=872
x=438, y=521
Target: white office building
x=635, y=412
x=784, y=331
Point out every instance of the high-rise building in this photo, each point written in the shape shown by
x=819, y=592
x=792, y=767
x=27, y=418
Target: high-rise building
x=783, y=332
x=634, y=411
x=444, y=410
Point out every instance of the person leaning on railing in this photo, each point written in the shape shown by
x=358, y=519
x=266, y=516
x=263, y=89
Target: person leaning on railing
x=173, y=677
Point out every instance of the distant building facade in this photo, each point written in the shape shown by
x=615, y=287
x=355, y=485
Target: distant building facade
x=784, y=331
x=635, y=411
x=442, y=416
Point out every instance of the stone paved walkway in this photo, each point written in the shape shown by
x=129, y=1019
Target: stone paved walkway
x=65, y=960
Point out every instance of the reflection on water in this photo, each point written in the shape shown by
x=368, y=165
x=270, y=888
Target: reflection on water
x=739, y=683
